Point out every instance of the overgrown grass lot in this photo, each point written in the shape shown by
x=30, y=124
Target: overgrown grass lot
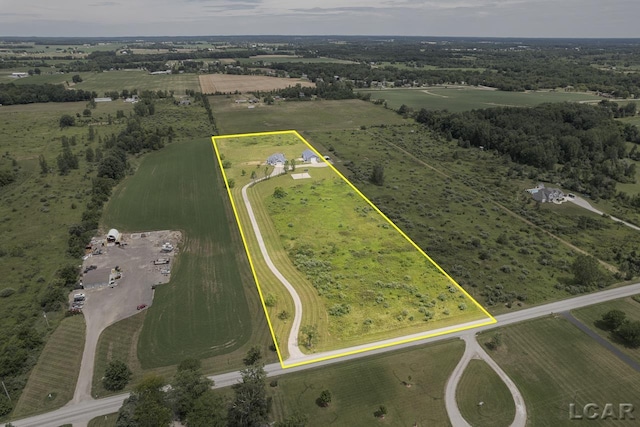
x=210, y=307
x=555, y=364
x=372, y=281
x=37, y=206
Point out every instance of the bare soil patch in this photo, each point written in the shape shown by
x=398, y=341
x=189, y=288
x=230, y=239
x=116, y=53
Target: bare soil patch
x=229, y=83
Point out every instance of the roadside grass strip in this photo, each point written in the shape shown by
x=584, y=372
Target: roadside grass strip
x=53, y=380
x=362, y=283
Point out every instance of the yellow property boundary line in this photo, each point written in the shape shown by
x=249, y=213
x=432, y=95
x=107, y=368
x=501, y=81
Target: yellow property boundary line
x=491, y=320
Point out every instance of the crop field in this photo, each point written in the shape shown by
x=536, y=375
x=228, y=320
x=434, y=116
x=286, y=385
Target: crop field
x=53, y=380
x=591, y=315
x=229, y=83
x=480, y=383
x=210, y=307
x=462, y=98
x=549, y=388
x=371, y=281
x=409, y=383
x=235, y=118
x=116, y=80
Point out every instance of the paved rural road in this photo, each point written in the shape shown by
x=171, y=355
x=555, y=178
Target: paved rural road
x=292, y=342
x=474, y=350
x=79, y=414
x=586, y=205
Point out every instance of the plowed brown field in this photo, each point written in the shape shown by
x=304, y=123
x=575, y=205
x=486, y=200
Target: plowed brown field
x=228, y=83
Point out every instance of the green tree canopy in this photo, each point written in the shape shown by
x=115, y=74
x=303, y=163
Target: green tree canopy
x=116, y=376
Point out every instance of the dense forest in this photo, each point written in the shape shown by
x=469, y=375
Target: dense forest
x=583, y=145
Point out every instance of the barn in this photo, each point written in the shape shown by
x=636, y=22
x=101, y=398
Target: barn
x=113, y=236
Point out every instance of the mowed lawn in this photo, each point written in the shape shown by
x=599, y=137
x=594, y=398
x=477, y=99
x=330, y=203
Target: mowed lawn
x=104, y=421
x=53, y=380
x=117, y=80
x=463, y=98
x=554, y=364
x=591, y=315
x=480, y=383
x=301, y=116
x=409, y=383
x=210, y=307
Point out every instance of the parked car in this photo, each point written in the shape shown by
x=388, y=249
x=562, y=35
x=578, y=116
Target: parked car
x=141, y=306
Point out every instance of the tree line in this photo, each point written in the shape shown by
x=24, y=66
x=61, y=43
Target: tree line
x=191, y=400
x=11, y=94
x=582, y=145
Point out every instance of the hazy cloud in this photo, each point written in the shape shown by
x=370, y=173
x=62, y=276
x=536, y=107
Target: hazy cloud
x=495, y=18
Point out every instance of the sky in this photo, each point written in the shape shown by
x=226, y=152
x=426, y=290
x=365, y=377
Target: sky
x=479, y=18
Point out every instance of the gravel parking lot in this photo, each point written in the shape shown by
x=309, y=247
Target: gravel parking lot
x=107, y=303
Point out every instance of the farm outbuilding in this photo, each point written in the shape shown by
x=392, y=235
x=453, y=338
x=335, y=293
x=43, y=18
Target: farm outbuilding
x=276, y=159
x=113, y=235
x=309, y=156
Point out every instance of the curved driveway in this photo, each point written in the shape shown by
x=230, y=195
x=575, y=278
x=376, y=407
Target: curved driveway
x=292, y=342
x=473, y=350
x=586, y=205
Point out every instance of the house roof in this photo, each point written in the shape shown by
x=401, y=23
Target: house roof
x=276, y=158
x=308, y=155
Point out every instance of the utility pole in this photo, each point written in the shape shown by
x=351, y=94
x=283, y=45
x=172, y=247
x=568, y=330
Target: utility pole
x=45, y=318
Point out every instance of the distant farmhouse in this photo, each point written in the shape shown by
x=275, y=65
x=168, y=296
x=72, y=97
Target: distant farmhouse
x=546, y=195
x=102, y=99
x=308, y=156
x=19, y=75
x=276, y=159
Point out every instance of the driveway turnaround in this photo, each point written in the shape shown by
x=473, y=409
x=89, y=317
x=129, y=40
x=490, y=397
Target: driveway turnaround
x=473, y=350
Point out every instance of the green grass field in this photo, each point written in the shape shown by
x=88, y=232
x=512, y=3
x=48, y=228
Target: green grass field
x=480, y=383
x=371, y=281
x=210, y=307
x=302, y=116
x=116, y=80
x=274, y=59
x=104, y=421
x=591, y=315
x=462, y=98
x=53, y=380
x=554, y=364
x=410, y=383
x=119, y=342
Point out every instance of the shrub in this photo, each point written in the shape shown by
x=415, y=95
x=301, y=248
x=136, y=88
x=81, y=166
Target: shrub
x=7, y=292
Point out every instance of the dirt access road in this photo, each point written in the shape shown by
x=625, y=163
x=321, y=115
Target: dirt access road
x=106, y=305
